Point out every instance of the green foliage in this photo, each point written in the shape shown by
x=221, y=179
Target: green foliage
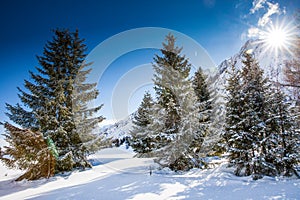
x=56, y=100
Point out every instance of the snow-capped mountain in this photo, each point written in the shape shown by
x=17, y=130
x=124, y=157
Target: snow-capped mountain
x=118, y=130
x=269, y=60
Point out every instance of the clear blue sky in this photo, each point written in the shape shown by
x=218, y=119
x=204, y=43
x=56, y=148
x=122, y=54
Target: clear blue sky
x=219, y=26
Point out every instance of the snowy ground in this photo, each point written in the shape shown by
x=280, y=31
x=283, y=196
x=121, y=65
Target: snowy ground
x=117, y=175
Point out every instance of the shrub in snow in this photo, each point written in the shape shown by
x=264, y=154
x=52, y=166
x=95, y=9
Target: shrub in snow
x=28, y=150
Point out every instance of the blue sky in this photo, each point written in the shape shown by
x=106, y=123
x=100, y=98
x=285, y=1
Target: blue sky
x=219, y=26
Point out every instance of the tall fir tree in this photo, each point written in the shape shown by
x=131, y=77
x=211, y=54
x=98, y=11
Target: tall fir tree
x=281, y=146
x=206, y=100
x=176, y=129
x=168, y=68
x=56, y=101
x=234, y=107
x=182, y=152
x=246, y=128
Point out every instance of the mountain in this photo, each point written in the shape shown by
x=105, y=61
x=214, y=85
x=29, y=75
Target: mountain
x=269, y=60
x=118, y=130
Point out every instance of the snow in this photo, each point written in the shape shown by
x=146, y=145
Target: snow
x=118, y=175
x=117, y=130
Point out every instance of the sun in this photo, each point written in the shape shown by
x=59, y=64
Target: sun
x=278, y=38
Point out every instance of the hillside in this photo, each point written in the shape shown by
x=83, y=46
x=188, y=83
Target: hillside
x=117, y=175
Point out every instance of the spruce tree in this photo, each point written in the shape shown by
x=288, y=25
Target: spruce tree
x=182, y=152
x=56, y=101
x=141, y=141
x=260, y=128
x=168, y=68
x=206, y=100
x=246, y=127
x=203, y=96
x=200, y=86
x=176, y=129
x=282, y=141
x=233, y=119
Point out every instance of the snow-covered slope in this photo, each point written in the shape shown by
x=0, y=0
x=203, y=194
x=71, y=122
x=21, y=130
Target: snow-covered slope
x=118, y=130
x=117, y=175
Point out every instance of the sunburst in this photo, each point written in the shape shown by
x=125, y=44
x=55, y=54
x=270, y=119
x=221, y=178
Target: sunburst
x=278, y=38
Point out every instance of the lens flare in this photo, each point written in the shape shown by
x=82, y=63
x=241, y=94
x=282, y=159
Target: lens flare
x=278, y=38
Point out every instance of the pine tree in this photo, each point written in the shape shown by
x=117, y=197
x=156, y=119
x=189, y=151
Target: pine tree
x=206, y=98
x=246, y=127
x=182, y=152
x=56, y=100
x=141, y=142
x=200, y=86
x=176, y=130
x=260, y=129
x=234, y=107
x=282, y=141
x=28, y=151
x=141, y=117
x=168, y=68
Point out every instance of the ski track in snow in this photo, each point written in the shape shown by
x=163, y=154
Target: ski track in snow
x=117, y=175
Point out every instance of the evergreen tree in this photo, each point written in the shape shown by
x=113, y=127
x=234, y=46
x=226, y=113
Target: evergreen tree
x=205, y=100
x=141, y=117
x=254, y=89
x=282, y=141
x=182, y=152
x=200, y=86
x=56, y=100
x=260, y=129
x=140, y=140
x=176, y=130
x=246, y=129
x=168, y=68
x=28, y=151
x=234, y=107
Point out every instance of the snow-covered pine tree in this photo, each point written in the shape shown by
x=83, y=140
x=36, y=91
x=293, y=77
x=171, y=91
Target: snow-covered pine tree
x=281, y=146
x=206, y=100
x=141, y=141
x=246, y=117
x=165, y=67
x=260, y=132
x=233, y=119
x=27, y=151
x=203, y=96
x=200, y=87
x=180, y=136
x=56, y=100
x=254, y=89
